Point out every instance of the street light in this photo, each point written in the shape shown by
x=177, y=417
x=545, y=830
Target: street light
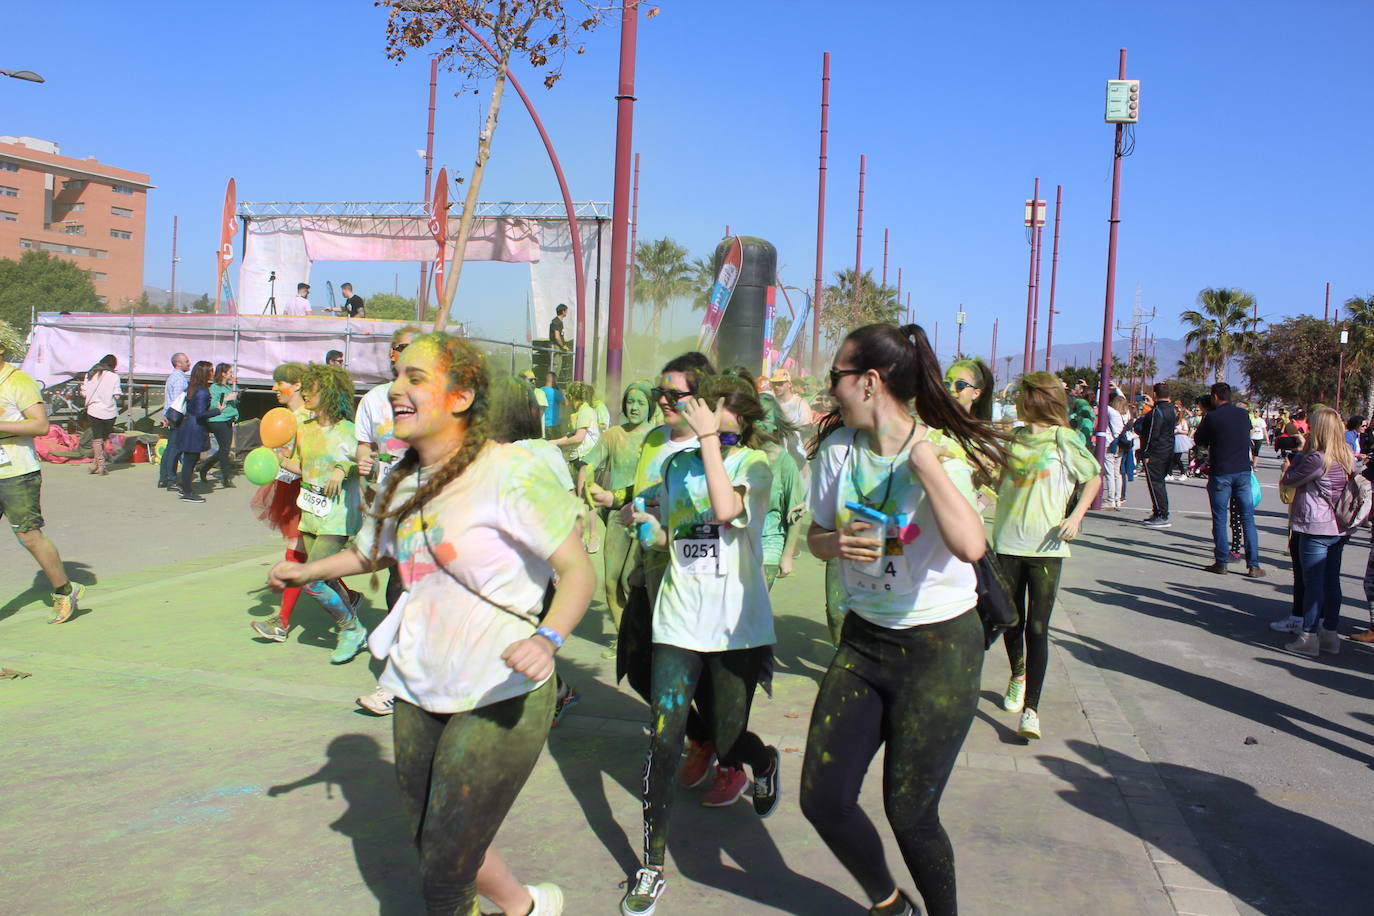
x=23, y=75
x=1340, y=367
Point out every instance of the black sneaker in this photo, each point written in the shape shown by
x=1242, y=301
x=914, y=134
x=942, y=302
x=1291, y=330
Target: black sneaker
x=192, y=498
x=1218, y=568
x=768, y=788
x=902, y=906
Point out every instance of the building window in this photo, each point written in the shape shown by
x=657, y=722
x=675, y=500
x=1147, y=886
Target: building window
x=9, y=166
x=74, y=184
x=8, y=217
x=124, y=212
x=74, y=229
x=121, y=189
x=25, y=243
x=76, y=208
x=7, y=191
x=98, y=277
x=96, y=253
x=120, y=234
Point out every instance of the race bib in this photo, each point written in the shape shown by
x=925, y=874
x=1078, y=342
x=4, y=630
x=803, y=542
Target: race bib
x=313, y=501
x=890, y=573
x=4, y=457
x=701, y=553
x=286, y=476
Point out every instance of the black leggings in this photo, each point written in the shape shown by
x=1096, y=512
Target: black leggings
x=915, y=691
x=634, y=655
x=223, y=431
x=723, y=684
x=459, y=774
x=1034, y=584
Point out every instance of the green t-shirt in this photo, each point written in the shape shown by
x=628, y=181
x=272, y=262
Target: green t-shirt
x=227, y=411
x=787, y=492
x=320, y=449
x=1033, y=498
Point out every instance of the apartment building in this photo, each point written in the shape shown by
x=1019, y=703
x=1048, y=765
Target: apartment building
x=78, y=209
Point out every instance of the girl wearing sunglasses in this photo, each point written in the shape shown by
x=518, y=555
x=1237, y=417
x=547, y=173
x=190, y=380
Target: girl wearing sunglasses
x=970, y=383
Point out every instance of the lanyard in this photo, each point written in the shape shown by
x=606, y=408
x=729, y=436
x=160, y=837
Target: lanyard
x=887, y=491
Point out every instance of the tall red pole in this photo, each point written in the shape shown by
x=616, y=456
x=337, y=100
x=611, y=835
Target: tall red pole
x=634, y=235
x=423, y=298
x=884, y=256
x=1326, y=312
x=1035, y=310
x=620, y=201
x=1109, y=304
x=859, y=232
x=994, y=352
x=172, y=303
x=1054, y=275
x=820, y=218
x=1029, y=354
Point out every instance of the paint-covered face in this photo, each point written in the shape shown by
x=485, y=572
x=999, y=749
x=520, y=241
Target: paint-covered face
x=636, y=407
x=311, y=398
x=421, y=400
x=673, y=387
x=285, y=391
x=962, y=386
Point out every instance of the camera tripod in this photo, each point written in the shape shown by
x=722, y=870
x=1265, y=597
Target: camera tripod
x=271, y=307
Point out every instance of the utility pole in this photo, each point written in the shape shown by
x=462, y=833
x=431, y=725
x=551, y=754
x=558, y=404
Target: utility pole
x=1054, y=275
x=1340, y=368
x=172, y=304
x=423, y=298
x=1032, y=206
x=959, y=318
x=1122, y=109
x=884, y=256
x=1326, y=312
x=899, y=287
x=859, y=234
x=1035, y=309
x=620, y=198
x=820, y=218
x=994, y=352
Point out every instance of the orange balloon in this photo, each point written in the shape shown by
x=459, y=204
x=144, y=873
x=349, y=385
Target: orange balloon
x=277, y=427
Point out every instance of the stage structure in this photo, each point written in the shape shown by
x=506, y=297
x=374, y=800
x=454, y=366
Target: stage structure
x=287, y=237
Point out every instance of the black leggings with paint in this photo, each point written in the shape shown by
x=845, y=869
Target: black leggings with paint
x=1034, y=585
x=459, y=774
x=913, y=690
x=723, y=684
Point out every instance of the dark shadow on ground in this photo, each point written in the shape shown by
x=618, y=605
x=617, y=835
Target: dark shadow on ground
x=801, y=644
x=1005, y=733
x=382, y=843
x=1213, y=607
x=40, y=589
x=1332, y=674
x=1264, y=710
x=700, y=839
x=1218, y=809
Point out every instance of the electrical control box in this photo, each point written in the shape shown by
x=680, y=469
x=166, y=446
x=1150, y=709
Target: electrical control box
x=1039, y=213
x=1123, y=101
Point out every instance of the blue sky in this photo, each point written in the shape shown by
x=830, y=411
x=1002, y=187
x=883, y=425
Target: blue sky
x=1251, y=166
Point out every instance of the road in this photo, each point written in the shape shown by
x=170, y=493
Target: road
x=159, y=758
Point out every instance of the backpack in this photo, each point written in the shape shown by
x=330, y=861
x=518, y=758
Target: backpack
x=1351, y=507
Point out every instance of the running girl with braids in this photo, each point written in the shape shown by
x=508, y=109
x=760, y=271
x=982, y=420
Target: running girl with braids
x=330, y=498
x=1033, y=526
x=712, y=621
x=892, y=498
x=477, y=528
x=275, y=503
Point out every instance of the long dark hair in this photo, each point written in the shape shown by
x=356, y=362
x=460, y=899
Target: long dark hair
x=983, y=380
x=107, y=363
x=910, y=371
x=513, y=413
x=741, y=400
x=200, y=378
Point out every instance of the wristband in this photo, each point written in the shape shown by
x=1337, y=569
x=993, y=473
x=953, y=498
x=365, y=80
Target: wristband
x=551, y=635
x=712, y=433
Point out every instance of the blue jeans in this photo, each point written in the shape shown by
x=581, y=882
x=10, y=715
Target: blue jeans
x=1320, y=556
x=1220, y=489
x=167, y=470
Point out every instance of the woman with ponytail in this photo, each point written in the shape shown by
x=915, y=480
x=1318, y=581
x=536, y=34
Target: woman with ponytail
x=892, y=498
x=477, y=528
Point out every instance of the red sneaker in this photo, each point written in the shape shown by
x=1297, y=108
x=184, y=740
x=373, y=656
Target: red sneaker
x=726, y=790
x=700, y=758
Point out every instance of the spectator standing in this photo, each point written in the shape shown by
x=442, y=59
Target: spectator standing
x=193, y=435
x=298, y=304
x=1225, y=433
x=353, y=306
x=101, y=391
x=224, y=413
x=1353, y=428
x=553, y=405
x=1118, y=444
x=1257, y=433
x=173, y=409
x=1156, y=431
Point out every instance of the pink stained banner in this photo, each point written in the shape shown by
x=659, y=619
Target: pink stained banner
x=513, y=241
x=229, y=225
x=438, y=227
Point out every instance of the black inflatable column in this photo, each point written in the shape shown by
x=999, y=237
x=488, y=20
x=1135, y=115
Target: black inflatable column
x=739, y=342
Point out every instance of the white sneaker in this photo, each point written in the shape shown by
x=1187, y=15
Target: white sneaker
x=1287, y=625
x=1030, y=724
x=1015, y=698
x=548, y=899
x=1307, y=644
x=379, y=702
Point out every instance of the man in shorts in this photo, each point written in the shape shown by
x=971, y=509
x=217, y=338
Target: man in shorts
x=23, y=415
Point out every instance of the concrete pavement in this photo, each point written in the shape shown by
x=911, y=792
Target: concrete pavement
x=161, y=759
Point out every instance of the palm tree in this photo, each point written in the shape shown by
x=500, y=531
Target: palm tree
x=847, y=308
x=1218, y=329
x=703, y=278
x=1359, y=353
x=1193, y=367
x=661, y=275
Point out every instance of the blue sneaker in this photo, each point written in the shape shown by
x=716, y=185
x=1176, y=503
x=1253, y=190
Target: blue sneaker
x=352, y=640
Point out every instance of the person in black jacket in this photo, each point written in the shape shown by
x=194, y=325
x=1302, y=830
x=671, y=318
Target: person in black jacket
x=193, y=435
x=1156, y=431
x=1225, y=433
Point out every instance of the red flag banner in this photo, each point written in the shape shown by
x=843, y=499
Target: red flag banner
x=438, y=227
x=229, y=225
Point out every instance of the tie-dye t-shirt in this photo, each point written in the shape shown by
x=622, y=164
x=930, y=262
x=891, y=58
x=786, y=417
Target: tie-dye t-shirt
x=787, y=492
x=714, y=597
x=1034, y=496
x=917, y=580
x=319, y=449
x=376, y=423
x=493, y=530
x=18, y=392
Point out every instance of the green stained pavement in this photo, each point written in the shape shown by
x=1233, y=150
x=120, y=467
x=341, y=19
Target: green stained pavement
x=142, y=755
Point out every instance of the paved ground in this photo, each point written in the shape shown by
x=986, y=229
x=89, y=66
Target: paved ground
x=160, y=759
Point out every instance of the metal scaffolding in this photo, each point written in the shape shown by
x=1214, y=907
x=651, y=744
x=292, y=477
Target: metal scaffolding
x=523, y=209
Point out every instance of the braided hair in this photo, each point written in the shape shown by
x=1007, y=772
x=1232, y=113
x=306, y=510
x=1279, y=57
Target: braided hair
x=466, y=368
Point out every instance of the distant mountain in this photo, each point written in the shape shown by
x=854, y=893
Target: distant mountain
x=159, y=297
x=1167, y=352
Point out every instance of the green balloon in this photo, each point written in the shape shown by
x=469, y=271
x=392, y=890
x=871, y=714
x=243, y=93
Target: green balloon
x=260, y=466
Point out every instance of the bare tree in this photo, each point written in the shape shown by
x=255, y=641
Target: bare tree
x=478, y=38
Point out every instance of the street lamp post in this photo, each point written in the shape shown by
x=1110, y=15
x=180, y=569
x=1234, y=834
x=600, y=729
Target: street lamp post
x=26, y=75
x=1340, y=367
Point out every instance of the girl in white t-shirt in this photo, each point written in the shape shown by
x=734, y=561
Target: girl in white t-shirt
x=892, y=498
x=586, y=429
x=477, y=529
x=712, y=619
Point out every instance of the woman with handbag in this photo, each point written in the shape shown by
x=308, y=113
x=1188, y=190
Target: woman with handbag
x=1118, y=447
x=892, y=498
x=101, y=391
x=477, y=529
x=1034, y=524
x=224, y=402
x=192, y=434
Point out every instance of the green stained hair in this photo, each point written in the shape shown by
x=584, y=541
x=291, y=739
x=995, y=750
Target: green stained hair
x=335, y=387
x=291, y=373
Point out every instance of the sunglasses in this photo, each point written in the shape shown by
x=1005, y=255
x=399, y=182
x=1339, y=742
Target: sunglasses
x=399, y=348
x=837, y=374
x=671, y=395
x=958, y=385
